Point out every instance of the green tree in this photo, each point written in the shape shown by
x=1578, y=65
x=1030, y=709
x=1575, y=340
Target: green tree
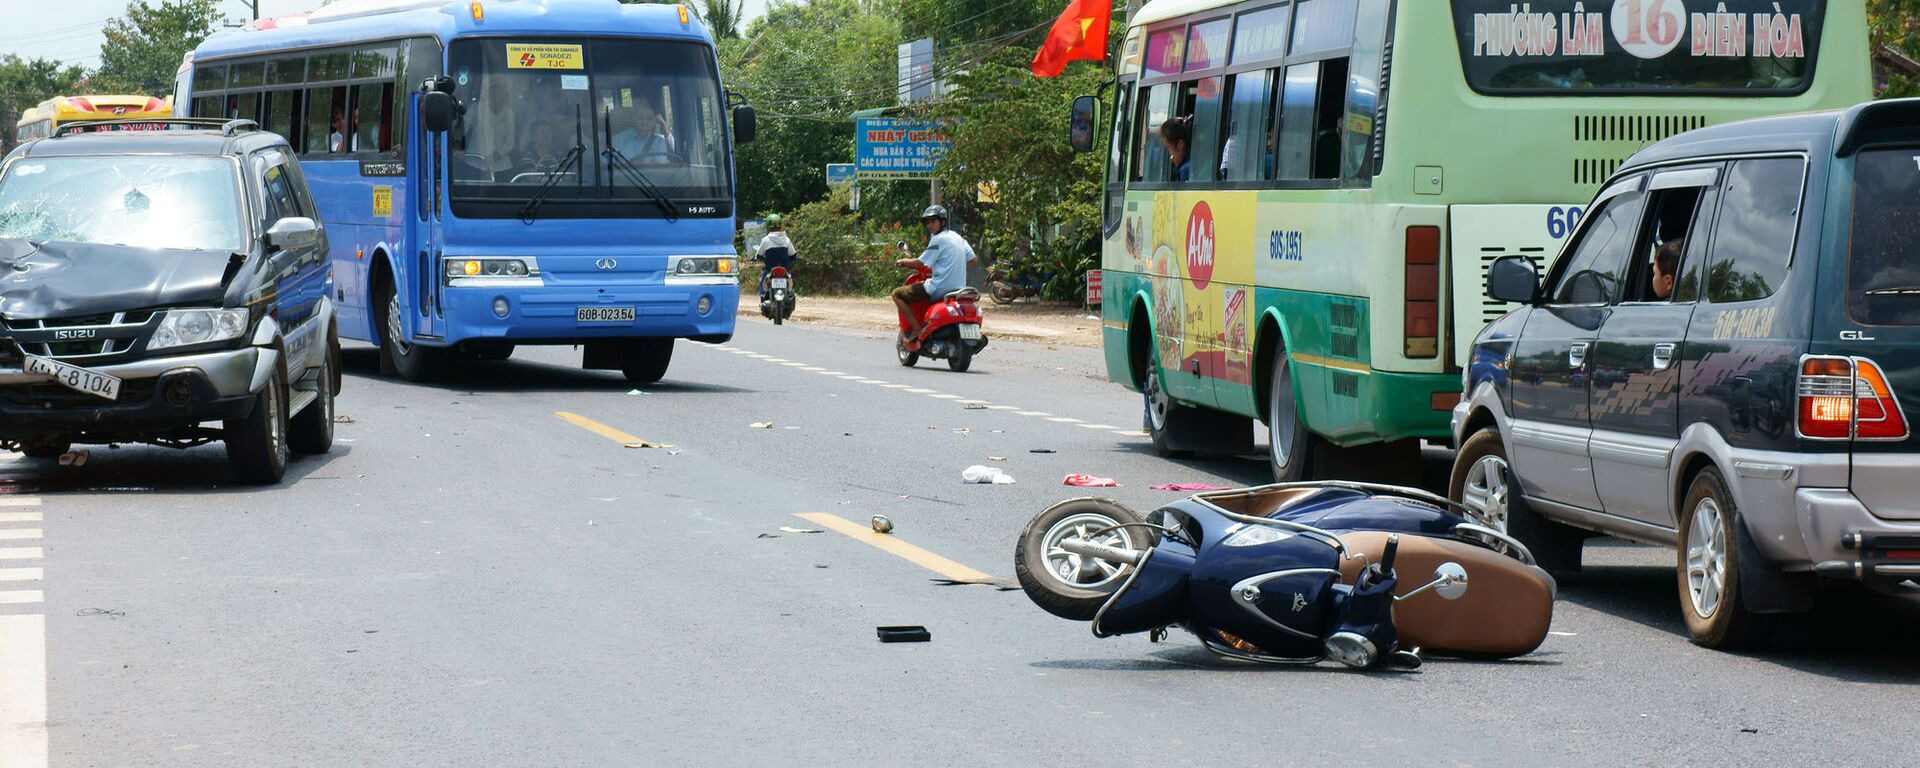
x=143, y=48
x=722, y=17
x=1895, y=24
x=27, y=82
x=1009, y=133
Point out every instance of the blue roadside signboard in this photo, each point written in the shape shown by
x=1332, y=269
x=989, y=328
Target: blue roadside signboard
x=893, y=148
x=839, y=173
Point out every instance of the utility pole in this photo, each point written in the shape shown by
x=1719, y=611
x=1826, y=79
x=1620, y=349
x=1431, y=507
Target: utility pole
x=252, y=5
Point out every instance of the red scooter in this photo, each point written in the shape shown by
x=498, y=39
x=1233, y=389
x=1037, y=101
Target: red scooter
x=950, y=327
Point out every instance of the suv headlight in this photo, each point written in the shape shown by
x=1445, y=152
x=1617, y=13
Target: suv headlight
x=702, y=266
x=459, y=268
x=187, y=327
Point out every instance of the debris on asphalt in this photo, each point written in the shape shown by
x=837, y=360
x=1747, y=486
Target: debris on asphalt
x=1189, y=487
x=646, y=444
x=996, y=458
x=980, y=474
x=882, y=525
x=1089, y=481
x=1042, y=450
x=976, y=407
x=1000, y=583
x=760, y=425
x=1562, y=634
x=766, y=536
x=631, y=393
x=107, y=612
x=1749, y=729
x=343, y=419
x=74, y=458
x=904, y=634
x=963, y=431
x=790, y=529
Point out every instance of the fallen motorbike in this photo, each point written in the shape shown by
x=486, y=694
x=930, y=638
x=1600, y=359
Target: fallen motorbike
x=950, y=327
x=1007, y=287
x=1292, y=573
x=776, y=295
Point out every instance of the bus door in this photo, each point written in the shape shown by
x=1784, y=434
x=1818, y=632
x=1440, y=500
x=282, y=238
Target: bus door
x=428, y=161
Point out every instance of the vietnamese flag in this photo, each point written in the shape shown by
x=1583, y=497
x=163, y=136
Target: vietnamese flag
x=1080, y=34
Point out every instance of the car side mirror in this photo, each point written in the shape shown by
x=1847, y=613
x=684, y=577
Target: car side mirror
x=1512, y=279
x=436, y=111
x=744, y=124
x=1086, y=113
x=293, y=232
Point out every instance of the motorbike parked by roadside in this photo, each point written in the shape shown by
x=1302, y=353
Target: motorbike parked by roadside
x=1292, y=573
x=949, y=330
x=1007, y=286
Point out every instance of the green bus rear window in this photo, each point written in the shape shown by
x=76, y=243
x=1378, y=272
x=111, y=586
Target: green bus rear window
x=1618, y=47
x=1883, y=270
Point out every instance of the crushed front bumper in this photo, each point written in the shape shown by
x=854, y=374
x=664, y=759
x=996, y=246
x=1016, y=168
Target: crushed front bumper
x=157, y=395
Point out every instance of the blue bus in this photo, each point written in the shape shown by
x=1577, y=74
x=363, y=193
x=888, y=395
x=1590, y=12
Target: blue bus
x=581, y=194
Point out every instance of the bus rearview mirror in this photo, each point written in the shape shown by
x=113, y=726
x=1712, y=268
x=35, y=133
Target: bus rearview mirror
x=436, y=111
x=1086, y=111
x=744, y=124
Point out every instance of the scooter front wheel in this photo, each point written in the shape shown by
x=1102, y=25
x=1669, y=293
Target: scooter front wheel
x=907, y=358
x=1065, y=584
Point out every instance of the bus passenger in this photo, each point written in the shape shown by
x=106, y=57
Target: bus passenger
x=541, y=153
x=650, y=136
x=1177, y=134
x=492, y=135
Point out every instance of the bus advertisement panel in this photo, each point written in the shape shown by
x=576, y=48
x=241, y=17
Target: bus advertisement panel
x=581, y=195
x=1302, y=198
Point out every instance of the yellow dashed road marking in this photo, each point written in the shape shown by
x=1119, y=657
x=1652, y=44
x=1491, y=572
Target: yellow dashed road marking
x=597, y=428
x=894, y=546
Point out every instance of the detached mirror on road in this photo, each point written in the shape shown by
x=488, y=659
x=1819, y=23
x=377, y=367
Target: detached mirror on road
x=744, y=124
x=1512, y=279
x=436, y=111
x=293, y=232
x=1086, y=112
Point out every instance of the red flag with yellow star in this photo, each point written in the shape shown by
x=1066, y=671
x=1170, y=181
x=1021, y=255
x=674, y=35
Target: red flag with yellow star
x=1080, y=34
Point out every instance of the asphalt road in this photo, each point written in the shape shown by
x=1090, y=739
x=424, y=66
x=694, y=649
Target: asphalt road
x=482, y=574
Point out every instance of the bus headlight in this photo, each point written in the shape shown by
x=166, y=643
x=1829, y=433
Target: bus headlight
x=459, y=268
x=702, y=266
x=187, y=327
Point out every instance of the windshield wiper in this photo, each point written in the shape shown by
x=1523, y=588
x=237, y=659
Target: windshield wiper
x=1907, y=290
x=615, y=160
x=552, y=179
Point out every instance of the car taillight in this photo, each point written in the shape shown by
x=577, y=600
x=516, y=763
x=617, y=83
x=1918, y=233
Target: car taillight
x=1843, y=398
x=1422, y=308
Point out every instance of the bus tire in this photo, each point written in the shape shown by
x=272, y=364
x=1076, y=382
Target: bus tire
x=1290, y=446
x=413, y=362
x=644, y=361
x=1163, y=417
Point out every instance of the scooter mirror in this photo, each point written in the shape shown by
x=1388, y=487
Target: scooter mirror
x=1450, y=580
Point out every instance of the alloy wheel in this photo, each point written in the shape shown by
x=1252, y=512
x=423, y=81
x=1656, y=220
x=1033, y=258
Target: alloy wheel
x=1085, y=572
x=1706, y=558
x=1488, y=492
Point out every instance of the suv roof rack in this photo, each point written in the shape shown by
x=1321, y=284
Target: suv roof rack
x=227, y=127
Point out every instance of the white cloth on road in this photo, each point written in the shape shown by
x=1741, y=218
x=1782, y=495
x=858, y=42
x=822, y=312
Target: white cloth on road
x=983, y=475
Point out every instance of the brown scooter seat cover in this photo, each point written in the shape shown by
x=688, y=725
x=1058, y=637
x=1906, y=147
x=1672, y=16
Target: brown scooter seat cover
x=1505, y=611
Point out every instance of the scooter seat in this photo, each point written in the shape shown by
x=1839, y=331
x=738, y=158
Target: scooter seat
x=964, y=294
x=1505, y=612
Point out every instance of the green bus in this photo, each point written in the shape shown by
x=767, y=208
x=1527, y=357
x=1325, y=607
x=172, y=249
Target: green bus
x=1306, y=243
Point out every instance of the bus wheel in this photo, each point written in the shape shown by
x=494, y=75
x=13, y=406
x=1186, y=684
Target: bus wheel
x=644, y=361
x=413, y=363
x=1289, y=444
x=1163, y=416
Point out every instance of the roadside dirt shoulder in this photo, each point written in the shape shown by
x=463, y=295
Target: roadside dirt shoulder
x=1026, y=321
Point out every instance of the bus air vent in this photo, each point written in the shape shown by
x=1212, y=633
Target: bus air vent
x=1635, y=129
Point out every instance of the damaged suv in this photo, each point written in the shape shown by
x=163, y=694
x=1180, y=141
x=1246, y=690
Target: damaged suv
x=152, y=283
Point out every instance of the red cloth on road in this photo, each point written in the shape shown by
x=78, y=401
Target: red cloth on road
x=1089, y=481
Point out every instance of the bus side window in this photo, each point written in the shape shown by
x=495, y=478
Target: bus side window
x=1248, y=153
x=1150, y=156
x=372, y=117
x=1312, y=116
x=1204, y=153
x=319, y=100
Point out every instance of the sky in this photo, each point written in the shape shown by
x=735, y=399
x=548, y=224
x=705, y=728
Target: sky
x=69, y=30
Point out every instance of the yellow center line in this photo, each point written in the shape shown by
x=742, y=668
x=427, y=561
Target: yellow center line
x=892, y=545
x=597, y=428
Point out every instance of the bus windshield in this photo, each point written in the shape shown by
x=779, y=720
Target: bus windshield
x=1561, y=47
x=643, y=113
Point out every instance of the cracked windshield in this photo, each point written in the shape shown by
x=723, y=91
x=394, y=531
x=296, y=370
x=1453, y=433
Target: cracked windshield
x=598, y=120
x=178, y=202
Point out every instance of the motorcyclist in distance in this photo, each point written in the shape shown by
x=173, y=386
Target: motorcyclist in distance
x=946, y=256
